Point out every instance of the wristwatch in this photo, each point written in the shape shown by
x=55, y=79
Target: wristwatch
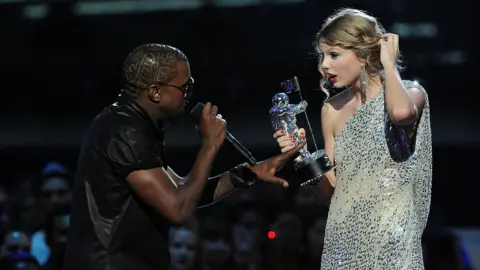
x=242, y=176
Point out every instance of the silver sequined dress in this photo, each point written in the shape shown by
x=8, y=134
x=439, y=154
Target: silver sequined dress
x=380, y=205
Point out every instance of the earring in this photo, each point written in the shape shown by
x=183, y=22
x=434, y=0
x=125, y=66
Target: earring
x=363, y=81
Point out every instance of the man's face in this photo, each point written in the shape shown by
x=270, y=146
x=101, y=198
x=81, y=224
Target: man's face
x=183, y=249
x=175, y=93
x=57, y=191
x=61, y=224
x=16, y=242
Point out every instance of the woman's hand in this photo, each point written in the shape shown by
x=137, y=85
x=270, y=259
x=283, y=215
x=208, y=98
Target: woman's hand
x=285, y=141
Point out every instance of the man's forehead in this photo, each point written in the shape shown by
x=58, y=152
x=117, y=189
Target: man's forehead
x=54, y=183
x=183, y=74
x=16, y=238
x=183, y=66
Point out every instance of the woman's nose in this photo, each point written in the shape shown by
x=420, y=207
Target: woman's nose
x=325, y=65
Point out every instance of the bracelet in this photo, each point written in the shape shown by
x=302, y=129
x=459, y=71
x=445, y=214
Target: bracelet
x=242, y=176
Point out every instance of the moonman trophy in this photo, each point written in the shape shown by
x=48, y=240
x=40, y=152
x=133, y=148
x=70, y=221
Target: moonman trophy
x=311, y=166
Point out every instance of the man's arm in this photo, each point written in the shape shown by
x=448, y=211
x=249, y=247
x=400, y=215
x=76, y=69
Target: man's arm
x=156, y=189
x=154, y=184
x=217, y=187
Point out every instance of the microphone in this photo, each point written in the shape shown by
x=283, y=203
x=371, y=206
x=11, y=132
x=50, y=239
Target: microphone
x=196, y=113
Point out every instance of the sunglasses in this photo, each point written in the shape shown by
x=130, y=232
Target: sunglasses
x=186, y=88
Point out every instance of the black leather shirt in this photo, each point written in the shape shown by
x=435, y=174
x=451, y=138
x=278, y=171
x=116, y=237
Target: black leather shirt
x=111, y=228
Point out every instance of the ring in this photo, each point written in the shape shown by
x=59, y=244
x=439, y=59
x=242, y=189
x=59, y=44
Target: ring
x=219, y=117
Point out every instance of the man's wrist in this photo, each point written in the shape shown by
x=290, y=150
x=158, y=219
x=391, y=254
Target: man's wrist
x=209, y=149
x=242, y=176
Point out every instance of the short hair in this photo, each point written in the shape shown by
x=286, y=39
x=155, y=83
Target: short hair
x=148, y=64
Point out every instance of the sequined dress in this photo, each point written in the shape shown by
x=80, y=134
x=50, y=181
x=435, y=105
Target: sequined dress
x=380, y=205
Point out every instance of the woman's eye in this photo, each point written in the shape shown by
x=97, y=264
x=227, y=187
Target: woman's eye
x=334, y=55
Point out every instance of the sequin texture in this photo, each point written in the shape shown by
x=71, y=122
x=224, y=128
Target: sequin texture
x=381, y=201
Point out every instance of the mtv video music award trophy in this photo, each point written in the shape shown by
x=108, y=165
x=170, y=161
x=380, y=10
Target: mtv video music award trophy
x=312, y=166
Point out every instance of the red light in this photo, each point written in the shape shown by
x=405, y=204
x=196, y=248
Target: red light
x=271, y=234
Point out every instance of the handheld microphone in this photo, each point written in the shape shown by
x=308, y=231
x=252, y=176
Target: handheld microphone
x=196, y=113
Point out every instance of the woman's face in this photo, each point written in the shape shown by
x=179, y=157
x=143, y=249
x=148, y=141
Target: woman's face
x=183, y=249
x=340, y=66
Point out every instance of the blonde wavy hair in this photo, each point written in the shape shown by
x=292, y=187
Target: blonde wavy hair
x=355, y=30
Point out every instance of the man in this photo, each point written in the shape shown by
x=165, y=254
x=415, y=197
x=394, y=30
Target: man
x=48, y=242
x=125, y=195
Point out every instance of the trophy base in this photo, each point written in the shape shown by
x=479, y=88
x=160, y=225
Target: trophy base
x=313, y=167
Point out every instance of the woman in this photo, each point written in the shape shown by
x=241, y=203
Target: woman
x=377, y=132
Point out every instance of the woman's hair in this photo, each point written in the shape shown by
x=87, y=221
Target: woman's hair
x=355, y=30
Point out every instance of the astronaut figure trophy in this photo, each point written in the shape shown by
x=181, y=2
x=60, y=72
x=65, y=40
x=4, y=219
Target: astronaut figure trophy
x=284, y=117
x=311, y=166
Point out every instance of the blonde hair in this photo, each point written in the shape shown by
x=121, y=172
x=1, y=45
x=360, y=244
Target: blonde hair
x=355, y=30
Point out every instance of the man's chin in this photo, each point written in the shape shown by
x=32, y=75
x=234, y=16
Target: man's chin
x=175, y=117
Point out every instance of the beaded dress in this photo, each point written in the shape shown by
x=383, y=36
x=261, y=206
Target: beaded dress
x=381, y=201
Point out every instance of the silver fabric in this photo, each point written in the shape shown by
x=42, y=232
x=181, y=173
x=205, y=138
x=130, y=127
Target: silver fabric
x=380, y=205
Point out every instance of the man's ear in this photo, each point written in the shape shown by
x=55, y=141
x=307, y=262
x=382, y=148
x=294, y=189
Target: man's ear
x=154, y=93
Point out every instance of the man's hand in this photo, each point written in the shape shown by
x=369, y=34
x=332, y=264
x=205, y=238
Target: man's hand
x=212, y=127
x=266, y=169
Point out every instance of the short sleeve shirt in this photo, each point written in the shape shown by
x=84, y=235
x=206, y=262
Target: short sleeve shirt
x=111, y=228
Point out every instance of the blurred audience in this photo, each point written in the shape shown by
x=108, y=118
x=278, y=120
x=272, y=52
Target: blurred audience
x=285, y=243
x=19, y=261
x=248, y=231
x=15, y=242
x=48, y=241
x=315, y=233
x=216, y=243
x=184, y=247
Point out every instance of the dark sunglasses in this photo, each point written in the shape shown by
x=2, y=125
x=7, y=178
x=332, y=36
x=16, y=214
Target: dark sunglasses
x=186, y=88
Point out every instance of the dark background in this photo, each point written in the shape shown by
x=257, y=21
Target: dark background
x=60, y=67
